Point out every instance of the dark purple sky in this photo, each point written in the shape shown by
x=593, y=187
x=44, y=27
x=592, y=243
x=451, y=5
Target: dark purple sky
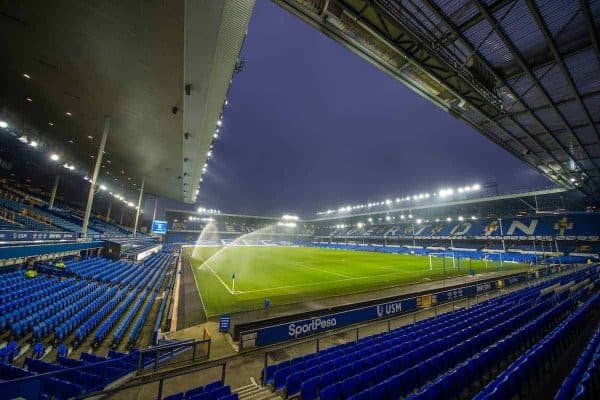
x=312, y=126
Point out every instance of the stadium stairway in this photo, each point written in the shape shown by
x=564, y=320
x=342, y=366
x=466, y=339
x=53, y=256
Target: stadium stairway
x=256, y=392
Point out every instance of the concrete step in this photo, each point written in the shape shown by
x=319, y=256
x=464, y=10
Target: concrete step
x=256, y=392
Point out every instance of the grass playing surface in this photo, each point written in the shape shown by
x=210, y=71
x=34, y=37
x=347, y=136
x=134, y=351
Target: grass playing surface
x=295, y=274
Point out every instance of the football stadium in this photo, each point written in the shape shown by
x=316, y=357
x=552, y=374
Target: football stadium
x=289, y=199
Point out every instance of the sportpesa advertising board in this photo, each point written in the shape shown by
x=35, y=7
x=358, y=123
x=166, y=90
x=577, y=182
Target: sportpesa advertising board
x=307, y=327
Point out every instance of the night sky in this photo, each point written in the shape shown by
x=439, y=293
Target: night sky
x=311, y=126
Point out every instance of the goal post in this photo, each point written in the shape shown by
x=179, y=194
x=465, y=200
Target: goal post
x=443, y=260
x=493, y=260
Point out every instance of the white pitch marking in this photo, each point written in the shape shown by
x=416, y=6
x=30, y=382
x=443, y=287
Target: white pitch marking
x=321, y=283
x=204, y=263
x=322, y=270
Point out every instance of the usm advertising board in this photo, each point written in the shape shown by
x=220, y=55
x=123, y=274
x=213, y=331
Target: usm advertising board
x=311, y=326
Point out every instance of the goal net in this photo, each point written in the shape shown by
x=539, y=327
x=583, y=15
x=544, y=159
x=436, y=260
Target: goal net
x=442, y=261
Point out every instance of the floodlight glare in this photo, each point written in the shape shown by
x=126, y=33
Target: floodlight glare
x=3, y=124
x=54, y=157
x=102, y=187
x=33, y=143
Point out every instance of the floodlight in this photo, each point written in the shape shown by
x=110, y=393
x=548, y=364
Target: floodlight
x=130, y=204
x=402, y=216
x=33, y=143
x=23, y=139
x=102, y=187
x=54, y=157
x=419, y=220
x=449, y=219
x=461, y=218
x=3, y=124
x=476, y=186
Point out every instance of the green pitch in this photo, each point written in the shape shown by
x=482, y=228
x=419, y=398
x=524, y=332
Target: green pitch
x=295, y=274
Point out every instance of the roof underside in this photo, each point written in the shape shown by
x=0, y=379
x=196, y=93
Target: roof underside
x=524, y=73
x=129, y=60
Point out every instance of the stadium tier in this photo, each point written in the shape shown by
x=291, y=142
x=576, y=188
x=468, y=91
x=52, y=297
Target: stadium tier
x=442, y=357
x=89, y=302
x=580, y=226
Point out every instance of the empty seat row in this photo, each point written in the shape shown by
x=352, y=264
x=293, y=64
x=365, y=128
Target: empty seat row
x=507, y=384
x=95, y=319
x=584, y=378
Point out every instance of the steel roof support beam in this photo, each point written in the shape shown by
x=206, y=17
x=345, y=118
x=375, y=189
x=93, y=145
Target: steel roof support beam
x=90, y=200
x=561, y=64
x=442, y=17
x=139, y=207
x=474, y=20
x=587, y=15
x=546, y=106
x=519, y=58
x=54, y=189
x=109, y=208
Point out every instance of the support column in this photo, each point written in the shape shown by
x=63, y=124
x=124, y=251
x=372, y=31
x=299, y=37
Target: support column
x=155, y=207
x=122, y=214
x=139, y=206
x=109, y=208
x=502, y=235
x=54, y=189
x=90, y=200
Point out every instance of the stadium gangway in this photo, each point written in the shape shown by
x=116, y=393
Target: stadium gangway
x=156, y=381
